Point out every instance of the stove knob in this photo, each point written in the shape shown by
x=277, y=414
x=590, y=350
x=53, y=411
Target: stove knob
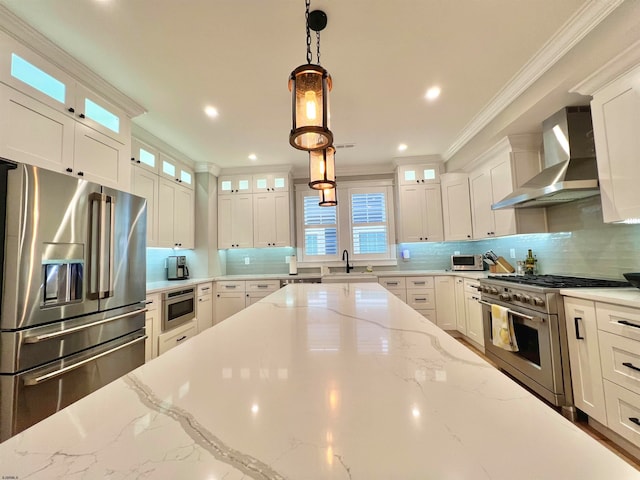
x=493, y=290
x=517, y=297
x=526, y=299
x=505, y=296
x=538, y=301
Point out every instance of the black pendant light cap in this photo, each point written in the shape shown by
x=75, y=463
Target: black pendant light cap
x=317, y=20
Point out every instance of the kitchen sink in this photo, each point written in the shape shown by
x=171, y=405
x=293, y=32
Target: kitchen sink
x=349, y=278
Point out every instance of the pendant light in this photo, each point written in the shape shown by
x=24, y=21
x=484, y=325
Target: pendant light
x=328, y=197
x=310, y=85
x=322, y=171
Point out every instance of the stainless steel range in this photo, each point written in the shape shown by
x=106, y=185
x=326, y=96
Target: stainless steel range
x=536, y=310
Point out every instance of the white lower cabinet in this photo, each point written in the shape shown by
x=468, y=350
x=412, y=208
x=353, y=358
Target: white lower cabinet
x=584, y=358
x=152, y=325
x=177, y=336
x=230, y=299
x=395, y=285
x=604, y=349
x=461, y=315
x=445, y=302
x=204, y=306
x=473, y=311
x=258, y=289
x=421, y=296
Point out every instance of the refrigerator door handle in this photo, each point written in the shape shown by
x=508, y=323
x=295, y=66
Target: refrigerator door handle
x=37, y=380
x=61, y=333
x=112, y=238
x=95, y=245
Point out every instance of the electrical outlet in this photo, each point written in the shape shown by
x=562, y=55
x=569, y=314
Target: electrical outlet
x=512, y=252
x=287, y=259
x=247, y=261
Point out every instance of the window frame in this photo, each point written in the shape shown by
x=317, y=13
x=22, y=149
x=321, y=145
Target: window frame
x=345, y=226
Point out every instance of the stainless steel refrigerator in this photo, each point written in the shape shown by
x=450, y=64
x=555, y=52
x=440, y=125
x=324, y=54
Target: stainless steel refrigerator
x=73, y=290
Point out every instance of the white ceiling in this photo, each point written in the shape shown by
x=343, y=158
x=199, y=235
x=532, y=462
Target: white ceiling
x=174, y=57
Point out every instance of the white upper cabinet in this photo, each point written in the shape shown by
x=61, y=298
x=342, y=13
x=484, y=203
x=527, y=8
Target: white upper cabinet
x=271, y=215
x=270, y=182
x=230, y=184
x=503, y=168
x=420, y=213
x=413, y=174
x=235, y=221
x=456, y=206
x=615, y=111
x=49, y=120
x=144, y=155
x=176, y=171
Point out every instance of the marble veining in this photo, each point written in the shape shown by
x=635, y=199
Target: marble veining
x=316, y=381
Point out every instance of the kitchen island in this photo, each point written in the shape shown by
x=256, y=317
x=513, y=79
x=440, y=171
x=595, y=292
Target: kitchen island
x=316, y=381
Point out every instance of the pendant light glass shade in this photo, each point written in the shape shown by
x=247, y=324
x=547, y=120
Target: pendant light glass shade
x=310, y=86
x=322, y=171
x=328, y=197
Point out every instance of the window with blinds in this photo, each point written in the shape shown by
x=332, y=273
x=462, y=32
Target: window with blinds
x=320, y=228
x=369, y=223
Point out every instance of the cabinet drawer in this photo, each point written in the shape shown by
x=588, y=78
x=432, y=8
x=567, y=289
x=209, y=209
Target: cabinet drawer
x=419, y=282
x=471, y=286
x=429, y=314
x=421, y=300
x=401, y=294
x=622, y=321
x=205, y=289
x=230, y=286
x=263, y=285
x=623, y=411
x=392, y=283
x=175, y=337
x=620, y=360
x=152, y=302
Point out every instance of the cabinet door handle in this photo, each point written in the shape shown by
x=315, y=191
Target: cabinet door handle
x=635, y=420
x=181, y=338
x=575, y=321
x=69, y=170
x=71, y=109
x=392, y=283
x=133, y=159
x=81, y=174
x=81, y=115
x=421, y=299
x=629, y=324
x=419, y=283
x=631, y=366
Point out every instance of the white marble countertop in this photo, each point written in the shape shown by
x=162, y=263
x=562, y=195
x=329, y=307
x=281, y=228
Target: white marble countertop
x=628, y=297
x=316, y=381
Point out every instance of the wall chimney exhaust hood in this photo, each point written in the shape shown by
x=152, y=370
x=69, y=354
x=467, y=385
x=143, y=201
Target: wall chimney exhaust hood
x=570, y=171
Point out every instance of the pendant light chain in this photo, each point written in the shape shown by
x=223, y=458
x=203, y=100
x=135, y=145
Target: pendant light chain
x=306, y=15
x=318, y=45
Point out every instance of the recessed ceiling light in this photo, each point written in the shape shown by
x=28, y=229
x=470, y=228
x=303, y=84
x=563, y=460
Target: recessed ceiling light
x=253, y=156
x=432, y=93
x=402, y=147
x=211, y=111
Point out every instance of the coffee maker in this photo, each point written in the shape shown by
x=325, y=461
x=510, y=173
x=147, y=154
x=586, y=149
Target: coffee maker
x=177, y=268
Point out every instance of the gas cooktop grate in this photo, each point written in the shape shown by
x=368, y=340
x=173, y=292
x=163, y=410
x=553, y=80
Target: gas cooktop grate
x=559, y=281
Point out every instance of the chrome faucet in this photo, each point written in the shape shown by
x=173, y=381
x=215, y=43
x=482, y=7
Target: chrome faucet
x=345, y=252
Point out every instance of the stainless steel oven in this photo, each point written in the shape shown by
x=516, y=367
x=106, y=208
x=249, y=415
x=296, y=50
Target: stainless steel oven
x=536, y=310
x=178, y=307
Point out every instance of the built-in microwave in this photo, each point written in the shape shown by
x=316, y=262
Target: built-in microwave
x=178, y=307
x=467, y=262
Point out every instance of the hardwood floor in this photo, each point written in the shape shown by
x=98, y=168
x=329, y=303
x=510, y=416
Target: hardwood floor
x=580, y=423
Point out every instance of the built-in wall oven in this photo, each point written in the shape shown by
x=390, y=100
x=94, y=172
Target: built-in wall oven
x=178, y=307
x=535, y=308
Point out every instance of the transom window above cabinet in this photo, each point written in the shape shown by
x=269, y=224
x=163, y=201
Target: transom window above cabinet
x=29, y=73
x=175, y=170
x=241, y=183
x=412, y=174
x=271, y=182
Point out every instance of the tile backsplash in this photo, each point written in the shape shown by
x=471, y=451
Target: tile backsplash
x=580, y=244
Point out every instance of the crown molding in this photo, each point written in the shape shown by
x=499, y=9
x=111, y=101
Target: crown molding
x=525, y=142
x=207, y=168
x=614, y=68
x=143, y=135
x=574, y=30
x=25, y=34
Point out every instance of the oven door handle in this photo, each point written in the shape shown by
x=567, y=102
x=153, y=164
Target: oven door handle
x=62, y=333
x=517, y=314
x=62, y=371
